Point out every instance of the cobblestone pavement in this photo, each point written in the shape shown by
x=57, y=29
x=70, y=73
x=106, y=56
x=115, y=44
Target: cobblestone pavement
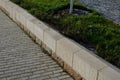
x=109, y=8
x=22, y=59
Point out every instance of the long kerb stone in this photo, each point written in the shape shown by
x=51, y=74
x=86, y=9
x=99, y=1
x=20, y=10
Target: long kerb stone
x=87, y=65
x=66, y=49
x=39, y=29
x=23, y=17
x=108, y=74
x=3, y=5
x=50, y=39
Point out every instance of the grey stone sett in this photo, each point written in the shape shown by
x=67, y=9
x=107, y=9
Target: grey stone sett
x=55, y=75
x=53, y=79
x=63, y=77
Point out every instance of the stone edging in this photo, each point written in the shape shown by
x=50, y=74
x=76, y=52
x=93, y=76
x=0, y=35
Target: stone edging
x=76, y=59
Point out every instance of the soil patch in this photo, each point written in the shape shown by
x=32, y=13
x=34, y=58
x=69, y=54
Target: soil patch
x=76, y=12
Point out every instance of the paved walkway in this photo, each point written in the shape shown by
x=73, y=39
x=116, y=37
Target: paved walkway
x=109, y=8
x=22, y=59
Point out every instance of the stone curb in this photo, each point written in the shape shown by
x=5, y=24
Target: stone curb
x=74, y=58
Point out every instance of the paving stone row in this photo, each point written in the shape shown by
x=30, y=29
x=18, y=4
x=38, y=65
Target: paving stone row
x=22, y=59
